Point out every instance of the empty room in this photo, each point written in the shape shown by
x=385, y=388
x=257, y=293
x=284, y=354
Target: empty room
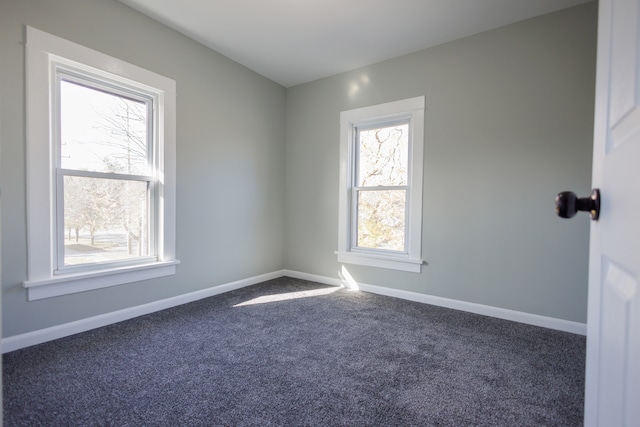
x=319, y=212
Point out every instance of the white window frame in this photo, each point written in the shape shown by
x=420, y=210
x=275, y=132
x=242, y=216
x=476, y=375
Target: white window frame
x=409, y=260
x=63, y=72
x=46, y=56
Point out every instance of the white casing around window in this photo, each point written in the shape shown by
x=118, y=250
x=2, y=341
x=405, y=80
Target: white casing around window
x=44, y=52
x=413, y=109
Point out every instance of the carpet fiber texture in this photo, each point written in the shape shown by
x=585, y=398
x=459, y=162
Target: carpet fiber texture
x=289, y=352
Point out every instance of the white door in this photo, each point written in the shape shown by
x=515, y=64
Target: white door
x=613, y=331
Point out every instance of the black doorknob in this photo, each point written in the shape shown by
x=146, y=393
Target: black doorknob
x=568, y=204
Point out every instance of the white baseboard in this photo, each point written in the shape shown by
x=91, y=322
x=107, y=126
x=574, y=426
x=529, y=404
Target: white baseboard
x=485, y=310
x=314, y=278
x=17, y=342
x=59, y=331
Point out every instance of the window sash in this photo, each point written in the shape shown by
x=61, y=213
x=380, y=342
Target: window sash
x=355, y=209
x=152, y=229
x=357, y=130
x=102, y=84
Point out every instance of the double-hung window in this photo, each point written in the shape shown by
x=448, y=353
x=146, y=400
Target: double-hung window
x=101, y=169
x=106, y=196
x=381, y=185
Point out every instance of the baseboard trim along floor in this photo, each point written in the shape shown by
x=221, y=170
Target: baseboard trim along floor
x=485, y=310
x=17, y=342
x=59, y=331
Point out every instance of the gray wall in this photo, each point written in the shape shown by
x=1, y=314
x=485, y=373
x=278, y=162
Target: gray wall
x=230, y=158
x=509, y=122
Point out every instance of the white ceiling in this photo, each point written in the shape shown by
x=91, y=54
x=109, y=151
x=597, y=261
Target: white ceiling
x=297, y=41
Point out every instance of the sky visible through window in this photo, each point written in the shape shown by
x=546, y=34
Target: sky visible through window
x=99, y=127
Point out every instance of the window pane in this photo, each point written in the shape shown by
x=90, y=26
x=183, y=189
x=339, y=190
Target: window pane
x=383, y=156
x=101, y=131
x=104, y=220
x=381, y=219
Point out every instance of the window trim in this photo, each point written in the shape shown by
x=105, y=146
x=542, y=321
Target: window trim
x=44, y=52
x=413, y=110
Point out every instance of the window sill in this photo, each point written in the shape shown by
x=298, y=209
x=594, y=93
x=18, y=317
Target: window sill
x=389, y=262
x=87, y=281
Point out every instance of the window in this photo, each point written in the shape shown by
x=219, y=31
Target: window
x=381, y=155
x=101, y=169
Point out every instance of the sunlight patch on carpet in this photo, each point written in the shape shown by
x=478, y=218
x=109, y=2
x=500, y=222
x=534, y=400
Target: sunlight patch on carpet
x=289, y=296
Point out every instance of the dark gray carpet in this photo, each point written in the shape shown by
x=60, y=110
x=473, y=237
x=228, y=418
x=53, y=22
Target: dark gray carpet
x=330, y=357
